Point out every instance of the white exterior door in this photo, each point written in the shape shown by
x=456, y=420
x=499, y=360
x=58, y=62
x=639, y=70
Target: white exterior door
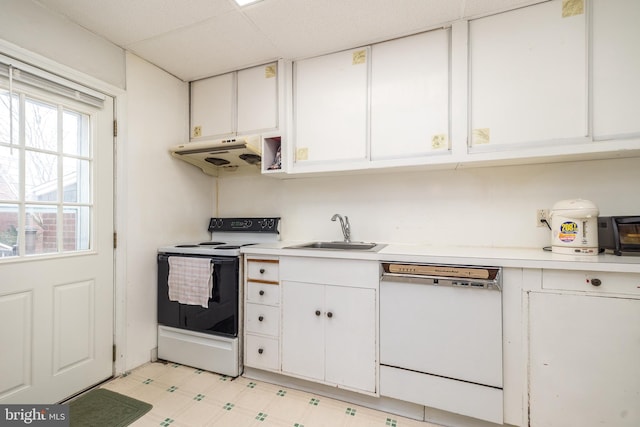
x=56, y=237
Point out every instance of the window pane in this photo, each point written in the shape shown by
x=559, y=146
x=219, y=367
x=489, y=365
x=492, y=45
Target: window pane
x=9, y=174
x=5, y=109
x=76, y=180
x=41, y=125
x=41, y=177
x=75, y=234
x=41, y=228
x=8, y=230
x=75, y=138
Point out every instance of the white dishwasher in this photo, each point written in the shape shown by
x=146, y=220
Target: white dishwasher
x=441, y=337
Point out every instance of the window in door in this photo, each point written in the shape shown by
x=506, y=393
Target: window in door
x=46, y=169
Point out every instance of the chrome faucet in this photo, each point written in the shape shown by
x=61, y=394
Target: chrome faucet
x=346, y=227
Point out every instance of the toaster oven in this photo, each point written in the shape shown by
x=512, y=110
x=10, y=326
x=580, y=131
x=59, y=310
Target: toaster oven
x=619, y=234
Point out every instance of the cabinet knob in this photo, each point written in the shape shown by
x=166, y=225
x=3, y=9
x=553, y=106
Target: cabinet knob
x=260, y=318
x=262, y=271
x=260, y=351
x=261, y=293
x=329, y=314
x=596, y=282
x=318, y=313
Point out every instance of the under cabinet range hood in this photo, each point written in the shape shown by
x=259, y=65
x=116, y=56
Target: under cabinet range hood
x=221, y=155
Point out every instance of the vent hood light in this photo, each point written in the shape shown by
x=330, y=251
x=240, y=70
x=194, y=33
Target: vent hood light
x=245, y=2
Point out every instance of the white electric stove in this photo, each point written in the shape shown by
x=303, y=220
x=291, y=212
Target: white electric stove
x=209, y=337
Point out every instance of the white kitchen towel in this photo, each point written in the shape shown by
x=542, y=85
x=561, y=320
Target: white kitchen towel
x=190, y=280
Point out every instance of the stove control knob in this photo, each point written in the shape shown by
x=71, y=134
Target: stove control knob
x=260, y=351
x=596, y=282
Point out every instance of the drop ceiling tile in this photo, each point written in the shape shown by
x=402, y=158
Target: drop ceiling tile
x=307, y=27
x=127, y=21
x=475, y=8
x=218, y=45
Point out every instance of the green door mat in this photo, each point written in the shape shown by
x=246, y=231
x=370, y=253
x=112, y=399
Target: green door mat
x=105, y=408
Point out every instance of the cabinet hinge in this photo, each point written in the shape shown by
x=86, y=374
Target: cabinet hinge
x=115, y=128
x=115, y=240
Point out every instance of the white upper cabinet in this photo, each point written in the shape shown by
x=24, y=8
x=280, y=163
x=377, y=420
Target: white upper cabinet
x=237, y=103
x=616, y=68
x=212, y=106
x=410, y=96
x=258, y=98
x=528, y=76
x=330, y=107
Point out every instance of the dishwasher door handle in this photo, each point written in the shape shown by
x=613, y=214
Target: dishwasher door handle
x=462, y=282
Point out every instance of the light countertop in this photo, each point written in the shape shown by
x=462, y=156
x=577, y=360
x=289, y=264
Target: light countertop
x=487, y=256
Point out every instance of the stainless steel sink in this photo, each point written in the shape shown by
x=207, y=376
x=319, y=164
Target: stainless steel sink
x=340, y=246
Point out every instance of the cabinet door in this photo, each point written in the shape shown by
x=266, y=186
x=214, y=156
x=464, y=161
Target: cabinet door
x=616, y=67
x=584, y=353
x=302, y=330
x=527, y=76
x=410, y=95
x=257, y=98
x=213, y=106
x=330, y=107
x=350, y=337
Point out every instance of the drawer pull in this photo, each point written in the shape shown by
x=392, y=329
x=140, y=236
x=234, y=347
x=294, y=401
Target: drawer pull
x=596, y=282
x=318, y=313
x=260, y=318
x=260, y=351
x=261, y=293
x=262, y=271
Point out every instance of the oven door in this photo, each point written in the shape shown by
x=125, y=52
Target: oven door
x=222, y=315
x=628, y=233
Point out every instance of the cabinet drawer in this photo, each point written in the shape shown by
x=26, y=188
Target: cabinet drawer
x=355, y=273
x=592, y=281
x=263, y=319
x=262, y=352
x=263, y=293
x=262, y=271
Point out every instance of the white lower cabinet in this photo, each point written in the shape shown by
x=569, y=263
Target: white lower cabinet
x=329, y=327
x=262, y=352
x=584, y=350
x=327, y=334
x=262, y=314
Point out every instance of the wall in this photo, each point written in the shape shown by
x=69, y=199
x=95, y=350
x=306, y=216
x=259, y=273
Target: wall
x=33, y=27
x=470, y=207
x=167, y=201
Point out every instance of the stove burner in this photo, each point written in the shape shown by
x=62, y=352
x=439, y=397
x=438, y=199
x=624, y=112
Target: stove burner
x=210, y=243
x=187, y=246
x=228, y=247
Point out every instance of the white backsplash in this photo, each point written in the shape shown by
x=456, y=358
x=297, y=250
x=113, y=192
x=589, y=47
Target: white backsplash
x=492, y=206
